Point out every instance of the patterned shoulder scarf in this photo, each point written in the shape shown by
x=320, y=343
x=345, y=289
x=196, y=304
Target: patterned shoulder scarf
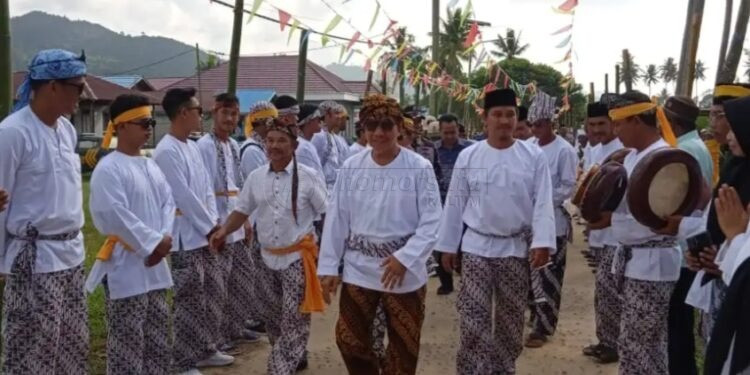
x=221, y=160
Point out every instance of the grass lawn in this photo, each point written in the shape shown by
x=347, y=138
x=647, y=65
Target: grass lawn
x=97, y=323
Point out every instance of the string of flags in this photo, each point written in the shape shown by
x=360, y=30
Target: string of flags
x=566, y=8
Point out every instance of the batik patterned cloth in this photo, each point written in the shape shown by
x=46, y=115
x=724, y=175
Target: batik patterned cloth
x=138, y=334
x=547, y=284
x=45, y=323
x=214, y=266
x=404, y=317
x=487, y=346
x=238, y=277
x=288, y=328
x=643, y=328
x=379, y=329
x=193, y=335
x=607, y=300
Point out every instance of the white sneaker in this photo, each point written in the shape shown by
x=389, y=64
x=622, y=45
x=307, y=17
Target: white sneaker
x=192, y=371
x=217, y=359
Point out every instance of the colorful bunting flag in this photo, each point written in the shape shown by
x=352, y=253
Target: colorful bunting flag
x=472, y=35
x=295, y=25
x=566, y=58
x=568, y=12
x=564, y=29
x=354, y=39
x=375, y=16
x=256, y=6
x=568, y=5
x=331, y=25
x=284, y=18
x=565, y=42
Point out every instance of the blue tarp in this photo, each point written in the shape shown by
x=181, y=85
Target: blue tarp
x=248, y=97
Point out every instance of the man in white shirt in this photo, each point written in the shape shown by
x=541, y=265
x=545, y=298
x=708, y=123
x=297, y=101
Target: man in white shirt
x=289, y=113
x=332, y=148
x=603, y=245
x=45, y=319
x=646, y=264
x=197, y=297
x=131, y=203
x=221, y=156
x=547, y=282
x=501, y=191
x=284, y=199
x=383, y=251
x=253, y=150
x=361, y=142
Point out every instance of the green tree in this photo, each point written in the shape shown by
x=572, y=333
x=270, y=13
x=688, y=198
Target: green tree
x=630, y=72
x=453, y=34
x=651, y=76
x=509, y=46
x=668, y=72
x=210, y=62
x=700, y=74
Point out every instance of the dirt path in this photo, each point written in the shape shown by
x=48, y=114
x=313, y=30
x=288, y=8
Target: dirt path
x=562, y=355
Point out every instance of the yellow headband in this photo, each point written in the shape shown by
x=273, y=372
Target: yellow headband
x=731, y=90
x=265, y=113
x=129, y=115
x=636, y=109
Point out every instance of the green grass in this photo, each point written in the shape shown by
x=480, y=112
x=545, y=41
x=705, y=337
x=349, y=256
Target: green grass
x=97, y=323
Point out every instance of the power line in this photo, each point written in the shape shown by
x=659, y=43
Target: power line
x=155, y=62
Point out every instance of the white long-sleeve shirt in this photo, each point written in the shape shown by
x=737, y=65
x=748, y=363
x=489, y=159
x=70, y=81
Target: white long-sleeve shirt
x=659, y=264
x=498, y=192
x=306, y=154
x=382, y=203
x=131, y=199
x=600, y=152
x=41, y=172
x=355, y=148
x=225, y=203
x=563, y=164
x=253, y=155
x=192, y=189
x=269, y=198
x=333, y=151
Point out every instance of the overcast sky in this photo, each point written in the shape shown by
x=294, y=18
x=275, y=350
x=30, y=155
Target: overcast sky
x=651, y=29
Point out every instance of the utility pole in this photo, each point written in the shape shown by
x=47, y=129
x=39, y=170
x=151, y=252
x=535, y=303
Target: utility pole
x=417, y=92
x=198, y=74
x=435, y=49
x=384, y=80
x=302, y=65
x=729, y=69
x=724, y=37
x=686, y=72
x=6, y=80
x=592, y=95
x=606, y=83
x=234, y=51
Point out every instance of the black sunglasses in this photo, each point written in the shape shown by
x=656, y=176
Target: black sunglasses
x=145, y=123
x=374, y=125
x=80, y=86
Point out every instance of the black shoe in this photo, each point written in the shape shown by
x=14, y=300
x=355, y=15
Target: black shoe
x=444, y=290
x=606, y=355
x=256, y=326
x=302, y=365
x=592, y=350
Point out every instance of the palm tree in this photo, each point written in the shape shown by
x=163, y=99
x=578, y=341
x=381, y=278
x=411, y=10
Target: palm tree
x=402, y=37
x=651, y=76
x=700, y=74
x=452, y=37
x=510, y=45
x=630, y=72
x=668, y=71
x=663, y=96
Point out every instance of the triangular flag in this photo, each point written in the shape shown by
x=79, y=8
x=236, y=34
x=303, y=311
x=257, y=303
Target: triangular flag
x=370, y=44
x=341, y=54
x=256, y=5
x=284, y=18
x=331, y=25
x=354, y=39
x=568, y=12
x=375, y=16
x=568, y=5
x=295, y=25
x=562, y=30
x=452, y=4
x=387, y=29
x=566, y=58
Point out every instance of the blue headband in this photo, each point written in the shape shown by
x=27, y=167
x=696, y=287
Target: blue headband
x=50, y=64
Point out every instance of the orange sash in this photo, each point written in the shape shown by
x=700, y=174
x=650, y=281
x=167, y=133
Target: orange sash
x=313, y=301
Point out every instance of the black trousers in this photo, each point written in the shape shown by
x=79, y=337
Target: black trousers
x=446, y=278
x=681, y=341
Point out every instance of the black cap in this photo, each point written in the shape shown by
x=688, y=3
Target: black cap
x=283, y=102
x=682, y=107
x=500, y=97
x=597, y=109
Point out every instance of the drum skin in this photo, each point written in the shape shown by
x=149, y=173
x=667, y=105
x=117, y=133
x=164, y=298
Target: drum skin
x=639, y=194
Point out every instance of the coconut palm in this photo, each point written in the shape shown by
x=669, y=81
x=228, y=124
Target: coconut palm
x=700, y=73
x=668, y=71
x=630, y=72
x=651, y=76
x=455, y=28
x=509, y=46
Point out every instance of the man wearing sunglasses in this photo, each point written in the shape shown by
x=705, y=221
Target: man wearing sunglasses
x=131, y=203
x=194, y=267
x=45, y=328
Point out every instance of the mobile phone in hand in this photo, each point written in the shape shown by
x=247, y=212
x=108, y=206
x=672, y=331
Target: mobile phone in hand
x=697, y=243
